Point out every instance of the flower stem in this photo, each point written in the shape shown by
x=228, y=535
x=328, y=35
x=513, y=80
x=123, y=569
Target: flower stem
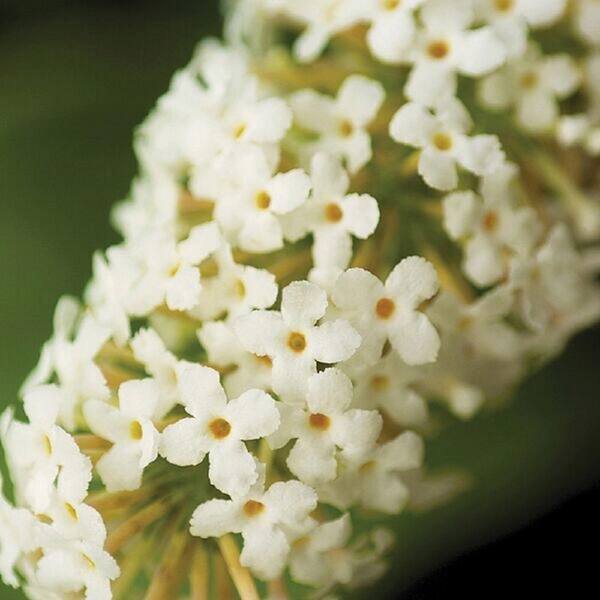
x=241, y=577
x=199, y=572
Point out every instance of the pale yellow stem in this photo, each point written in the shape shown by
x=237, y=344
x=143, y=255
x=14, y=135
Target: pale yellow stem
x=131, y=564
x=168, y=576
x=105, y=502
x=241, y=577
x=277, y=590
x=132, y=526
x=89, y=441
x=449, y=280
x=199, y=572
x=285, y=268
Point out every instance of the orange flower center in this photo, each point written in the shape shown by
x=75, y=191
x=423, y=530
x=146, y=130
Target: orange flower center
x=262, y=200
x=319, y=421
x=333, y=213
x=442, y=141
x=135, y=430
x=490, y=221
x=438, y=49
x=346, y=128
x=385, y=308
x=252, y=508
x=380, y=382
x=219, y=428
x=296, y=341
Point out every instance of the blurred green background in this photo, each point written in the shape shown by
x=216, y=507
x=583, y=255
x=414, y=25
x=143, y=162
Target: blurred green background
x=76, y=78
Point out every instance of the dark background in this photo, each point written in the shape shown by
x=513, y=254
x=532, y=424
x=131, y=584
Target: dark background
x=75, y=79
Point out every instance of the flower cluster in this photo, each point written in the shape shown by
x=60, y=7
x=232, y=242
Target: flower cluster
x=329, y=243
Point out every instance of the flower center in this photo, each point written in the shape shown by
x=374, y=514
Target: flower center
x=319, y=421
x=239, y=130
x=296, y=341
x=262, y=200
x=368, y=466
x=490, y=221
x=209, y=268
x=219, y=428
x=71, y=511
x=346, y=128
x=240, y=288
x=390, y=4
x=88, y=561
x=135, y=430
x=385, y=308
x=265, y=361
x=333, y=213
x=504, y=5
x=380, y=382
x=442, y=141
x=47, y=445
x=529, y=80
x=438, y=49
x=253, y=508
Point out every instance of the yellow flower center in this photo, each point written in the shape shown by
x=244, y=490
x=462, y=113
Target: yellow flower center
x=390, y=4
x=71, y=511
x=380, y=382
x=296, y=341
x=135, y=430
x=504, y=5
x=219, y=428
x=319, y=421
x=239, y=130
x=333, y=213
x=262, y=200
x=346, y=128
x=490, y=221
x=240, y=288
x=385, y=308
x=438, y=49
x=252, y=508
x=47, y=445
x=442, y=141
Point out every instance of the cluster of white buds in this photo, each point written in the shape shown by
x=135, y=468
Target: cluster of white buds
x=351, y=218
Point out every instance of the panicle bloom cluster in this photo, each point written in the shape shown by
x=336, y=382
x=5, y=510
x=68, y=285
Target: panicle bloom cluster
x=351, y=218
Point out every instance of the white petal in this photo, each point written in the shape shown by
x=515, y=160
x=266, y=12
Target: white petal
x=42, y=404
x=232, y=468
x=356, y=290
x=481, y=154
x=461, y=211
x=356, y=431
x=260, y=287
x=438, y=169
x=261, y=332
x=253, y=415
x=333, y=341
x=184, y=443
x=120, y=468
x=329, y=392
x=312, y=110
x=215, y=518
x=412, y=125
x=481, y=51
x=269, y=121
x=106, y=421
x=261, y=233
x=361, y=214
x=390, y=36
x=483, y=262
x=330, y=180
x=265, y=551
x=290, y=377
x=138, y=398
x=290, y=501
x=288, y=191
x=312, y=462
x=201, y=391
x=403, y=453
x=202, y=241
x=439, y=15
x=359, y=99
x=429, y=83
x=413, y=281
x=415, y=339
x=302, y=304
x=183, y=289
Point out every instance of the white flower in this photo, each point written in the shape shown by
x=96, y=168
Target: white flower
x=374, y=481
x=481, y=325
x=332, y=215
x=552, y=284
x=323, y=19
x=510, y=19
x=292, y=339
x=66, y=568
x=587, y=20
x=69, y=357
x=150, y=350
x=225, y=351
x=442, y=138
x=341, y=122
x=389, y=386
x=235, y=289
x=264, y=518
x=447, y=46
x=326, y=428
x=534, y=85
x=250, y=212
x=218, y=428
x=391, y=311
x=17, y=537
x=44, y=454
x=392, y=27
x=131, y=431
x=320, y=559
x=492, y=227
